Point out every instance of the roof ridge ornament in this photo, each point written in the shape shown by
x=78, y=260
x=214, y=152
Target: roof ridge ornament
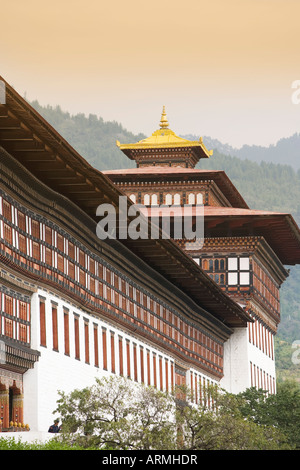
x=164, y=121
x=164, y=147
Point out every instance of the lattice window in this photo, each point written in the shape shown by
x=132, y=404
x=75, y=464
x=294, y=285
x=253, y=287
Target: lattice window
x=71, y=250
x=60, y=242
x=48, y=235
x=22, y=221
x=71, y=270
x=36, y=250
x=35, y=229
x=8, y=305
x=22, y=310
x=8, y=233
x=60, y=262
x=23, y=333
x=7, y=210
x=238, y=271
x=22, y=244
x=8, y=327
x=48, y=256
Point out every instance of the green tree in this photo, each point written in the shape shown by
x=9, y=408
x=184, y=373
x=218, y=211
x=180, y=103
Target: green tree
x=117, y=413
x=280, y=411
x=224, y=427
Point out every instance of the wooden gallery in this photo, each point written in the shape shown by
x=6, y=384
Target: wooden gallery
x=159, y=311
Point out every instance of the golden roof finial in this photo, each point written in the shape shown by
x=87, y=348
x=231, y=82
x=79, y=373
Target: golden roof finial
x=164, y=121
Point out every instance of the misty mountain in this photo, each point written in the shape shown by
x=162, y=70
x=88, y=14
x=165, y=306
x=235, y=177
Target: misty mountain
x=91, y=136
x=285, y=152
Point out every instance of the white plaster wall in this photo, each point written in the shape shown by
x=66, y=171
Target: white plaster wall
x=236, y=362
x=55, y=371
x=263, y=362
x=238, y=354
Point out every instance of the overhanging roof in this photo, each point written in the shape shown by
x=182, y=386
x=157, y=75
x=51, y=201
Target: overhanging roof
x=49, y=157
x=165, y=138
x=157, y=173
x=279, y=229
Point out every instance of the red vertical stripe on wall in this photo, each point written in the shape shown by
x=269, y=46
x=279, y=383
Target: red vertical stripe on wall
x=135, y=363
x=167, y=375
x=142, y=364
x=96, y=347
x=86, y=342
x=148, y=368
x=42, y=323
x=128, y=358
x=121, y=356
x=67, y=333
x=112, y=349
x=154, y=370
x=76, y=332
x=54, y=328
x=104, y=348
x=160, y=373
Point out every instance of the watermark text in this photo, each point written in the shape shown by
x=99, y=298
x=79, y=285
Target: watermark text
x=2, y=92
x=296, y=93
x=138, y=221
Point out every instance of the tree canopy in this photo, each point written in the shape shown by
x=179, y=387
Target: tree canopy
x=119, y=414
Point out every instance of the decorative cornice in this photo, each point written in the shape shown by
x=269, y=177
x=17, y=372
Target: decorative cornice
x=16, y=356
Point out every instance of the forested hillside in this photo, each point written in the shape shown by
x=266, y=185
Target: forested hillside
x=264, y=185
x=93, y=138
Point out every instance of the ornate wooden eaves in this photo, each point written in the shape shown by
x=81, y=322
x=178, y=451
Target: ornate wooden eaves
x=165, y=175
x=35, y=144
x=278, y=229
x=15, y=356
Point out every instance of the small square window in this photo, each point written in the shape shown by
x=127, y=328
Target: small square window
x=244, y=279
x=244, y=264
x=232, y=279
x=232, y=264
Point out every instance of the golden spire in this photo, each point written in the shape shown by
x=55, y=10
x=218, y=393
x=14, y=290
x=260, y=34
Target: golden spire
x=164, y=121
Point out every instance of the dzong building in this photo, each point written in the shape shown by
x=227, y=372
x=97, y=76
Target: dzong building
x=161, y=312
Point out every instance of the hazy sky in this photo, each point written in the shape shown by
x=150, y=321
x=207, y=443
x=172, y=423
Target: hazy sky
x=222, y=68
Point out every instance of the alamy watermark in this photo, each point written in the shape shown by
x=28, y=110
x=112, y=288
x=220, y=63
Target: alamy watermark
x=296, y=354
x=296, y=94
x=2, y=92
x=2, y=352
x=138, y=221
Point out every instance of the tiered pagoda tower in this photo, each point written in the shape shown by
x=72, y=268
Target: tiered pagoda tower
x=244, y=251
x=165, y=149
